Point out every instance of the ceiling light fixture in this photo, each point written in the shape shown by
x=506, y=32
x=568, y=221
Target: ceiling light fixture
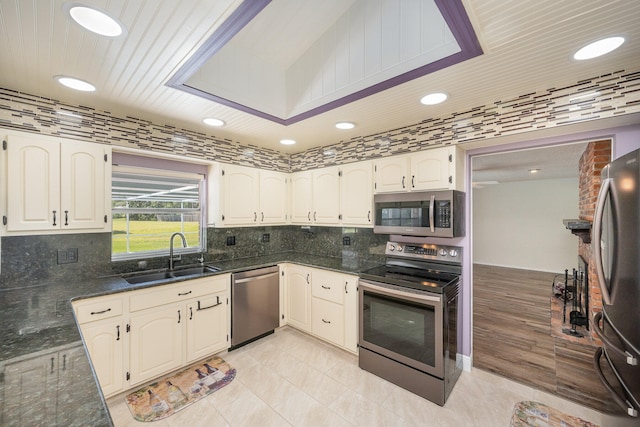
x=287, y=141
x=434, y=98
x=534, y=170
x=598, y=48
x=213, y=122
x=95, y=20
x=345, y=125
x=77, y=84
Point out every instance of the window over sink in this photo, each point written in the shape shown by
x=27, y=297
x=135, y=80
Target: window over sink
x=149, y=204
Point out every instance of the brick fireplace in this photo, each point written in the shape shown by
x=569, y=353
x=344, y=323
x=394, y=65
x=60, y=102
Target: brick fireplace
x=594, y=158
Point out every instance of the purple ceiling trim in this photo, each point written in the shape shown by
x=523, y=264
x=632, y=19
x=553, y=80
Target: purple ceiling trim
x=240, y=17
x=452, y=11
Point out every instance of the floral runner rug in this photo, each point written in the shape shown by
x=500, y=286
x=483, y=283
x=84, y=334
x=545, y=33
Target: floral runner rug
x=534, y=414
x=167, y=396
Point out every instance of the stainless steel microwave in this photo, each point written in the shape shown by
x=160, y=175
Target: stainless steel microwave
x=425, y=213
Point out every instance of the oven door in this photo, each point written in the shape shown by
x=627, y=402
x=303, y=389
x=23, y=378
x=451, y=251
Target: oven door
x=402, y=325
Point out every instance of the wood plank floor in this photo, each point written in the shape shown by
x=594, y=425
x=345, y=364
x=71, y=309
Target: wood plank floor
x=512, y=337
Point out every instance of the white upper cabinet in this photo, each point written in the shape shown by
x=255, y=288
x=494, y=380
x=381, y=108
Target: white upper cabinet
x=250, y=196
x=356, y=193
x=240, y=195
x=273, y=197
x=301, y=197
x=56, y=184
x=436, y=169
x=326, y=196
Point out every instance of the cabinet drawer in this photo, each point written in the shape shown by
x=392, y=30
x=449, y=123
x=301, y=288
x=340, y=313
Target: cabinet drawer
x=328, y=285
x=328, y=321
x=93, y=309
x=174, y=292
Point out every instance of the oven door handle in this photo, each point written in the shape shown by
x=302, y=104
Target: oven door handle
x=432, y=204
x=397, y=293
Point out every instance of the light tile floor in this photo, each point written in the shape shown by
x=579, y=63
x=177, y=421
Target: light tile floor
x=292, y=379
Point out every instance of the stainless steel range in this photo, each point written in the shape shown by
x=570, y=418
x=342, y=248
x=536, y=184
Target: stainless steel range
x=408, y=313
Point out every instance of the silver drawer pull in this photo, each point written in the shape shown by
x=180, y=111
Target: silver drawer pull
x=183, y=294
x=100, y=312
x=326, y=321
x=325, y=287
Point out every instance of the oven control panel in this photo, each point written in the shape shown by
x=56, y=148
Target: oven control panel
x=425, y=251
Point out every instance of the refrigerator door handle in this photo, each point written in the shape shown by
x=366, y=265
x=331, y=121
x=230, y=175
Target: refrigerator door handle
x=620, y=400
x=630, y=358
x=597, y=235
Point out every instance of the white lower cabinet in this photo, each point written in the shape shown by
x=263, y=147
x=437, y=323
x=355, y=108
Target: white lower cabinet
x=323, y=303
x=298, y=289
x=133, y=337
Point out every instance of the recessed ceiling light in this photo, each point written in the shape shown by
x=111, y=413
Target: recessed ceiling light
x=287, y=141
x=213, y=122
x=598, y=48
x=534, y=170
x=95, y=20
x=74, y=83
x=434, y=98
x=345, y=125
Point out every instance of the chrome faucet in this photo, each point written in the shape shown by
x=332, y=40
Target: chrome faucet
x=179, y=257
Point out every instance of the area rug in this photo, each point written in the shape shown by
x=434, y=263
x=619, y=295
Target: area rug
x=167, y=396
x=534, y=414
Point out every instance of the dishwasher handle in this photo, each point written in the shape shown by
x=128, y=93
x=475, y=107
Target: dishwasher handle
x=248, y=279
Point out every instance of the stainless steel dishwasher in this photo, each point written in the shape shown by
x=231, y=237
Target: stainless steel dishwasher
x=255, y=304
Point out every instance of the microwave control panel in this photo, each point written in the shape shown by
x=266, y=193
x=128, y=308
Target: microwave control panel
x=424, y=251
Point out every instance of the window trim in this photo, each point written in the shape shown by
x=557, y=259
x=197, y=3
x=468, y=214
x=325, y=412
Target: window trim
x=153, y=167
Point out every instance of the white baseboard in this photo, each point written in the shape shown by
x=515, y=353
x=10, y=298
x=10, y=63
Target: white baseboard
x=466, y=363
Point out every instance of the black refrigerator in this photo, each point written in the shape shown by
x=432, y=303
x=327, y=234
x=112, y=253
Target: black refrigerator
x=616, y=247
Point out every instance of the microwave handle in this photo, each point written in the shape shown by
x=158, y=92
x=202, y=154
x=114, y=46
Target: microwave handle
x=432, y=203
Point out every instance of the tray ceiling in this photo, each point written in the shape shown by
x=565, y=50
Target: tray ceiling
x=527, y=47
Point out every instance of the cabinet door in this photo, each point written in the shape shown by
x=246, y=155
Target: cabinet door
x=82, y=180
x=350, y=313
x=105, y=342
x=28, y=389
x=33, y=182
x=430, y=170
x=326, y=196
x=356, y=194
x=299, y=297
x=391, y=174
x=240, y=195
x=273, y=197
x=301, y=197
x=156, y=341
x=207, y=326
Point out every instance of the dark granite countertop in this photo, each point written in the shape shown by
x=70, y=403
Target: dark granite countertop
x=21, y=346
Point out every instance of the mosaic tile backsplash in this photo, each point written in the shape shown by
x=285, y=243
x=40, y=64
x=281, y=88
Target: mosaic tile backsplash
x=608, y=95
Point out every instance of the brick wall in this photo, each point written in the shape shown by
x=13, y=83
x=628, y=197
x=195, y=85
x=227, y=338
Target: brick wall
x=594, y=158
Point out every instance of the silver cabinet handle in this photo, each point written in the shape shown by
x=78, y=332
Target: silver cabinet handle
x=403, y=182
x=413, y=178
x=597, y=236
x=218, y=302
x=183, y=293
x=54, y=218
x=255, y=217
x=179, y=316
x=308, y=216
x=262, y=216
x=66, y=217
x=100, y=312
x=314, y=215
x=346, y=291
x=117, y=332
x=325, y=287
x=326, y=321
x=369, y=216
x=308, y=276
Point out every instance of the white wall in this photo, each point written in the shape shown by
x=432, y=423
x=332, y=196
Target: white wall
x=519, y=224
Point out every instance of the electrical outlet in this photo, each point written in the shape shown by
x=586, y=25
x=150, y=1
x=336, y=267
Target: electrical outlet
x=346, y=240
x=67, y=256
x=231, y=240
x=266, y=237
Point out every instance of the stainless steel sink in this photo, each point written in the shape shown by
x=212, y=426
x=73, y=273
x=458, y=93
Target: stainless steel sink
x=167, y=275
